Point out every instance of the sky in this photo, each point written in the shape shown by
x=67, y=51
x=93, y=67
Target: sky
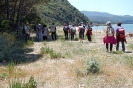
x=116, y=7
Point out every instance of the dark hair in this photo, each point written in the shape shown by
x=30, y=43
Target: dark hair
x=44, y=25
x=52, y=23
x=118, y=24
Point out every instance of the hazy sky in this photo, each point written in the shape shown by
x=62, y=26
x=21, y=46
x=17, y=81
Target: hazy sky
x=116, y=7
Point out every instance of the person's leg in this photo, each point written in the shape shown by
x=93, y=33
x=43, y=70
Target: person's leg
x=66, y=34
x=73, y=36
x=83, y=35
x=89, y=38
x=123, y=46
x=52, y=35
x=117, y=46
x=107, y=47
x=55, y=35
x=46, y=38
x=26, y=37
x=111, y=46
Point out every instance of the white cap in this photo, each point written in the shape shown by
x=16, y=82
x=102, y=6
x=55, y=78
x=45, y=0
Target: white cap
x=108, y=23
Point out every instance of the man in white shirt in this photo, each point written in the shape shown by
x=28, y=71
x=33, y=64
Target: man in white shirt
x=53, y=31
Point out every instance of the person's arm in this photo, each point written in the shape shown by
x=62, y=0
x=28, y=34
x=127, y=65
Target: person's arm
x=107, y=30
x=55, y=28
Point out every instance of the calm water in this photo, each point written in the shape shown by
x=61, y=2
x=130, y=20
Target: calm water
x=128, y=27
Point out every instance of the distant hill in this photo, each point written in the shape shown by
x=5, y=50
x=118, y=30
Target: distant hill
x=103, y=17
x=59, y=11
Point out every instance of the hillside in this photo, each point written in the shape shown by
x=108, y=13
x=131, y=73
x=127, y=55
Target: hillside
x=59, y=11
x=102, y=17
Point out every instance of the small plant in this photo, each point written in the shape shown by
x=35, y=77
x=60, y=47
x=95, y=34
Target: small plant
x=3, y=76
x=92, y=66
x=117, y=52
x=11, y=67
x=46, y=50
x=76, y=39
x=30, y=84
x=16, y=85
x=55, y=55
x=30, y=42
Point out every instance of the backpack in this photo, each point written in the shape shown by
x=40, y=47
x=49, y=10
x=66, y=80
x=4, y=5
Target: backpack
x=39, y=28
x=66, y=28
x=82, y=29
x=121, y=33
x=73, y=29
x=110, y=31
x=23, y=31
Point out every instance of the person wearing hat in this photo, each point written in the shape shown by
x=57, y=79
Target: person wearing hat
x=39, y=32
x=109, y=38
x=88, y=31
x=27, y=31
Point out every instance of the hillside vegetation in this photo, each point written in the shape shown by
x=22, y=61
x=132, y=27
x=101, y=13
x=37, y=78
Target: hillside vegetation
x=102, y=17
x=60, y=11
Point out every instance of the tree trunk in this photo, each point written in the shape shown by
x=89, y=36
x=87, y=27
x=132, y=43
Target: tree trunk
x=19, y=16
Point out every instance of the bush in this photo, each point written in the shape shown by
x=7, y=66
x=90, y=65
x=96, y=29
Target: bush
x=12, y=49
x=92, y=66
x=6, y=44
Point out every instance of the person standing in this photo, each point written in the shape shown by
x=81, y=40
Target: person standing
x=81, y=31
x=66, y=30
x=27, y=31
x=109, y=38
x=82, y=24
x=72, y=31
x=39, y=32
x=88, y=31
x=53, y=31
x=120, y=36
x=45, y=32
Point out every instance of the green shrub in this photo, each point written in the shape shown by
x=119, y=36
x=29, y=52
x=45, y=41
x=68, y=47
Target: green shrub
x=46, y=50
x=76, y=39
x=6, y=44
x=54, y=55
x=16, y=85
x=92, y=66
x=11, y=67
x=3, y=76
x=30, y=42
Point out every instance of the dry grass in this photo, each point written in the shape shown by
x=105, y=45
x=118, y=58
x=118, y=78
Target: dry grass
x=69, y=70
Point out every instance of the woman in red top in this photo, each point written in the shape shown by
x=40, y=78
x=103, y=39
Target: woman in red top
x=120, y=35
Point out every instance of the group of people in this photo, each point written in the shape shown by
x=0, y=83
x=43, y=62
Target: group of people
x=111, y=38
x=41, y=32
x=82, y=29
x=70, y=29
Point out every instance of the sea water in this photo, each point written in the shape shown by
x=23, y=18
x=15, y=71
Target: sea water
x=127, y=27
